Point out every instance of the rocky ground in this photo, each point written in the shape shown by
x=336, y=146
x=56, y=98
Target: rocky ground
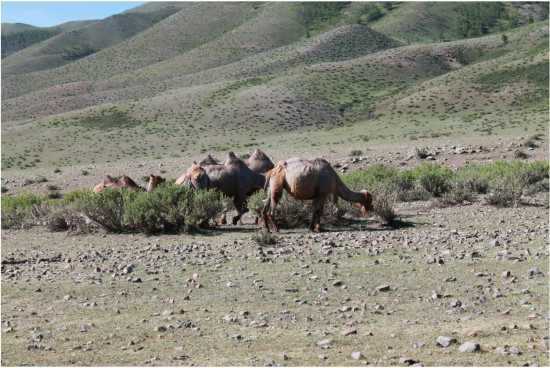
x=459, y=286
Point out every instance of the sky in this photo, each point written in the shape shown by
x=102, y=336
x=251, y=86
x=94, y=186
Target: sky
x=52, y=13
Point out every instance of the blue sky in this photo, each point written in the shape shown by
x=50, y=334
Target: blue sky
x=52, y=13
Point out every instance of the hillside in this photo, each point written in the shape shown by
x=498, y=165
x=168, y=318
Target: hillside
x=76, y=40
x=218, y=76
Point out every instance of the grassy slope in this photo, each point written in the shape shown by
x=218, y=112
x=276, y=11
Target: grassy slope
x=97, y=35
x=271, y=89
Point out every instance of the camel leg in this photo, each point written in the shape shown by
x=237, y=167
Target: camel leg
x=318, y=205
x=223, y=220
x=268, y=212
x=240, y=206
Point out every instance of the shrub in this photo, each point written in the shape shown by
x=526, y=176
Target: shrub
x=421, y=153
x=107, y=208
x=264, y=237
x=458, y=192
x=384, y=204
x=21, y=211
x=520, y=154
x=172, y=208
x=356, y=152
x=63, y=218
x=432, y=177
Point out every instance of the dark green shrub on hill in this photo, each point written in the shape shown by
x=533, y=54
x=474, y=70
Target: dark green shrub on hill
x=16, y=41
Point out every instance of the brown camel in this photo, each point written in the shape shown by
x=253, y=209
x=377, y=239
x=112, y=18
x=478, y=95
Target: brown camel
x=109, y=181
x=234, y=179
x=155, y=181
x=308, y=179
x=259, y=162
x=195, y=178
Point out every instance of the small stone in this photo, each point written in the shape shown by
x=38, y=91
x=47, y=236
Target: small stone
x=168, y=312
x=469, y=347
x=505, y=274
x=476, y=333
x=514, y=350
x=445, y=341
x=230, y=284
x=383, y=288
x=356, y=355
x=408, y=361
x=159, y=329
x=324, y=342
x=545, y=341
x=67, y=297
x=497, y=293
x=350, y=331
x=236, y=337
x=533, y=271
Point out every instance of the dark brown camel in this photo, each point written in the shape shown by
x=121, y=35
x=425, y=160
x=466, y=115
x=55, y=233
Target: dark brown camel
x=234, y=179
x=308, y=179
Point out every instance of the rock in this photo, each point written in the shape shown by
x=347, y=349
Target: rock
x=230, y=284
x=505, y=274
x=356, y=355
x=168, y=312
x=407, y=361
x=383, y=288
x=350, y=331
x=445, y=341
x=495, y=243
x=324, y=342
x=34, y=346
x=497, y=293
x=469, y=347
x=533, y=271
x=476, y=333
x=236, y=337
x=159, y=329
x=67, y=297
x=545, y=341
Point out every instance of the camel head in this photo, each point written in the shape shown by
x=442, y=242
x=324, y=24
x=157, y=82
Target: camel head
x=366, y=205
x=155, y=181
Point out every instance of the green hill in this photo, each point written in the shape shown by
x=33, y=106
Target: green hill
x=218, y=76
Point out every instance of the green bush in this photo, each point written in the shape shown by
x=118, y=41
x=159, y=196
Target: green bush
x=432, y=177
x=21, y=211
x=263, y=238
x=172, y=208
x=107, y=208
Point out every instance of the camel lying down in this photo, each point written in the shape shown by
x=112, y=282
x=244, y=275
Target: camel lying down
x=127, y=182
x=308, y=179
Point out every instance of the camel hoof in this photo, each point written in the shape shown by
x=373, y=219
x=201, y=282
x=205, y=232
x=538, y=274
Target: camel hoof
x=239, y=223
x=223, y=221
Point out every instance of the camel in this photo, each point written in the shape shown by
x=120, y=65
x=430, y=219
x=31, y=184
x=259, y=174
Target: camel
x=308, y=179
x=109, y=181
x=195, y=178
x=259, y=162
x=234, y=179
x=155, y=181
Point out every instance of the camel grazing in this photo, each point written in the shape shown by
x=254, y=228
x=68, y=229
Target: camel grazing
x=234, y=179
x=109, y=181
x=259, y=162
x=308, y=179
x=155, y=181
x=195, y=178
